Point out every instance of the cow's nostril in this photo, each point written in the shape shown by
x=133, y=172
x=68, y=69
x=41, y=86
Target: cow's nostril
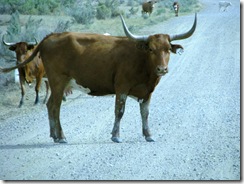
x=159, y=69
x=162, y=70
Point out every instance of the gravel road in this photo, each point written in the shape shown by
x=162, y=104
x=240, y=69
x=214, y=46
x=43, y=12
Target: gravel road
x=194, y=118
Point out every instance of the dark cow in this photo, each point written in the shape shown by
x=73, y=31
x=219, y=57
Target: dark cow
x=176, y=7
x=31, y=71
x=101, y=65
x=147, y=7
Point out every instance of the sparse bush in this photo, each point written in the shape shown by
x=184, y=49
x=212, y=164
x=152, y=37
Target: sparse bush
x=160, y=11
x=28, y=33
x=188, y=6
x=28, y=6
x=103, y=12
x=84, y=14
x=133, y=10
x=14, y=28
x=130, y=3
x=30, y=29
x=62, y=26
x=121, y=1
x=114, y=5
x=32, y=7
x=108, y=9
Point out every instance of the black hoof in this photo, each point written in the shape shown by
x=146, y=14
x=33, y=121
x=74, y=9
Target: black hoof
x=20, y=104
x=149, y=139
x=116, y=139
x=60, y=140
x=36, y=102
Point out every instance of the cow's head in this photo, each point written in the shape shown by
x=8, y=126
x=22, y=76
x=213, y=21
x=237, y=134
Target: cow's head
x=175, y=6
x=159, y=46
x=151, y=3
x=20, y=48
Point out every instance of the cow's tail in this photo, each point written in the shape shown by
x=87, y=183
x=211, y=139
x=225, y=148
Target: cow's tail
x=33, y=55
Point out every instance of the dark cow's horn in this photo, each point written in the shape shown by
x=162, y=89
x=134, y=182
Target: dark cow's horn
x=187, y=34
x=7, y=43
x=130, y=35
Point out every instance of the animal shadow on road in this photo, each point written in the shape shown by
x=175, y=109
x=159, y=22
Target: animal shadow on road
x=52, y=145
x=48, y=145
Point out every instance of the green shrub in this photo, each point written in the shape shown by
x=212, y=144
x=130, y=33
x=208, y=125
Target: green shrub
x=28, y=33
x=62, y=26
x=30, y=29
x=14, y=28
x=108, y=9
x=85, y=14
x=103, y=12
x=188, y=6
x=133, y=10
x=114, y=5
x=130, y=3
x=32, y=7
x=160, y=11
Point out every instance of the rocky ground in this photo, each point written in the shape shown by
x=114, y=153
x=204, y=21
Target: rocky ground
x=194, y=118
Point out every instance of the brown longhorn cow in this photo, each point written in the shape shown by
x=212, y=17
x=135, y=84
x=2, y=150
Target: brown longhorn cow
x=176, y=7
x=31, y=71
x=147, y=7
x=100, y=65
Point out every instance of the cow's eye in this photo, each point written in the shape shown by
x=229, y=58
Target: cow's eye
x=167, y=50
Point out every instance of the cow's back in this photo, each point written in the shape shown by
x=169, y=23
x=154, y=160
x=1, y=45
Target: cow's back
x=94, y=61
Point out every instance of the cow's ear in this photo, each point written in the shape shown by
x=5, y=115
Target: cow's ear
x=29, y=47
x=12, y=47
x=175, y=47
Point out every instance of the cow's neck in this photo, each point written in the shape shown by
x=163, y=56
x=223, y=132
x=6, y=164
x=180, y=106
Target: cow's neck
x=153, y=78
x=152, y=82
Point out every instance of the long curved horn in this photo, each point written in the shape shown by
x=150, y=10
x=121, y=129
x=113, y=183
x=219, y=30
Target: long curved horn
x=33, y=43
x=130, y=35
x=7, y=43
x=187, y=34
x=10, y=44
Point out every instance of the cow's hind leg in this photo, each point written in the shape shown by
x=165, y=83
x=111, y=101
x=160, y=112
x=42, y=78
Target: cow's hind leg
x=144, y=109
x=53, y=106
x=47, y=91
x=37, y=88
x=119, y=111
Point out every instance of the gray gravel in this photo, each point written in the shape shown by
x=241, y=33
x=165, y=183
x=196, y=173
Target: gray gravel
x=194, y=118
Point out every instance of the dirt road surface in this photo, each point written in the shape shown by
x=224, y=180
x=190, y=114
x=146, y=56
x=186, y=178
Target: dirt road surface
x=194, y=118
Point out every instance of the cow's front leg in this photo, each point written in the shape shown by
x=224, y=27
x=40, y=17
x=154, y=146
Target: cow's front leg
x=119, y=111
x=22, y=86
x=144, y=109
x=53, y=107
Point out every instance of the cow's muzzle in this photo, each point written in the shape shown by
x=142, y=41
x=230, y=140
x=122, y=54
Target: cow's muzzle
x=161, y=70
